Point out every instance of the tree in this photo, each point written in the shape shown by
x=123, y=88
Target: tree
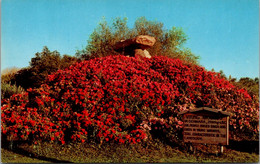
x=169, y=42
x=8, y=74
x=222, y=74
x=44, y=63
x=41, y=66
x=24, y=78
x=8, y=89
x=251, y=85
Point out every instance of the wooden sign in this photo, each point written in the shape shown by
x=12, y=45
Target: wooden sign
x=205, y=125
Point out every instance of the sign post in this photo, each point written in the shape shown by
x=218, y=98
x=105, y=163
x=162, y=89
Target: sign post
x=206, y=126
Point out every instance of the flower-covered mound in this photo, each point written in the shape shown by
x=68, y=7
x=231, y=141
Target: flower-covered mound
x=124, y=100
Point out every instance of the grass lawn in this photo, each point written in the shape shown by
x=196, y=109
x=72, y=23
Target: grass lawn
x=11, y=157
x=84, y=153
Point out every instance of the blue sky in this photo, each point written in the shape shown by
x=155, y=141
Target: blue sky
x=224, y=33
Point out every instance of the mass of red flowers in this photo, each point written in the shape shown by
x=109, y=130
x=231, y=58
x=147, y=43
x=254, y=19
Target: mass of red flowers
x=122, y=99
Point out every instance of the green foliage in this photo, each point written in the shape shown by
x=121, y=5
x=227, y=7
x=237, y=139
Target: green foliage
x=44, y=63
x=67, y=61
x=8, y=90
x=169, y=42
x=41, y=65
x=251, y=85
x=8, y=74
x=222, y=74
x=24, y=78
x=103, y=38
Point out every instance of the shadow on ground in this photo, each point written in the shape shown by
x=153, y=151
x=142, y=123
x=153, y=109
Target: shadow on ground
x=15, y=149
x=244, y=146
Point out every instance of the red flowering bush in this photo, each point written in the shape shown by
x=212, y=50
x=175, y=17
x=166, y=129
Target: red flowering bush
x=123, y=99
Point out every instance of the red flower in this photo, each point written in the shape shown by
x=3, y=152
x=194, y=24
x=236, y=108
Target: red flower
x=56, y=134
x=121, y=141
x=109, y=96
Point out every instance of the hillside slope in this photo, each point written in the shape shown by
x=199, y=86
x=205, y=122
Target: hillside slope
x=124, y=100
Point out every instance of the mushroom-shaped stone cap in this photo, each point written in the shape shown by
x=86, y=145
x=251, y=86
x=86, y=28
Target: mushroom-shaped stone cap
x=145, y=40
x=139, y=42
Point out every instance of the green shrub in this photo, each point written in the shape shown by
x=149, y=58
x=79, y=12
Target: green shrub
x=8, y=74
x=41, y=65
x=126, y=100
x=8, y=90
x=169, y=42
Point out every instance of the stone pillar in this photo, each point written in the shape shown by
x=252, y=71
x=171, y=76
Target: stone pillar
x=143, y=53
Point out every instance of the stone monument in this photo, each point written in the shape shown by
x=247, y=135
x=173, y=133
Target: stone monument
x=136, y=46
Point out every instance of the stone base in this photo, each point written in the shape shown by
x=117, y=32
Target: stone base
x=143, y=53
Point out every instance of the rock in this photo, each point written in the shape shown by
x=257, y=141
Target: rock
x=145, y=41
x=139, y=42
x=135, y=46
x=147, y=54
x=143, y=53
x=120, y=46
